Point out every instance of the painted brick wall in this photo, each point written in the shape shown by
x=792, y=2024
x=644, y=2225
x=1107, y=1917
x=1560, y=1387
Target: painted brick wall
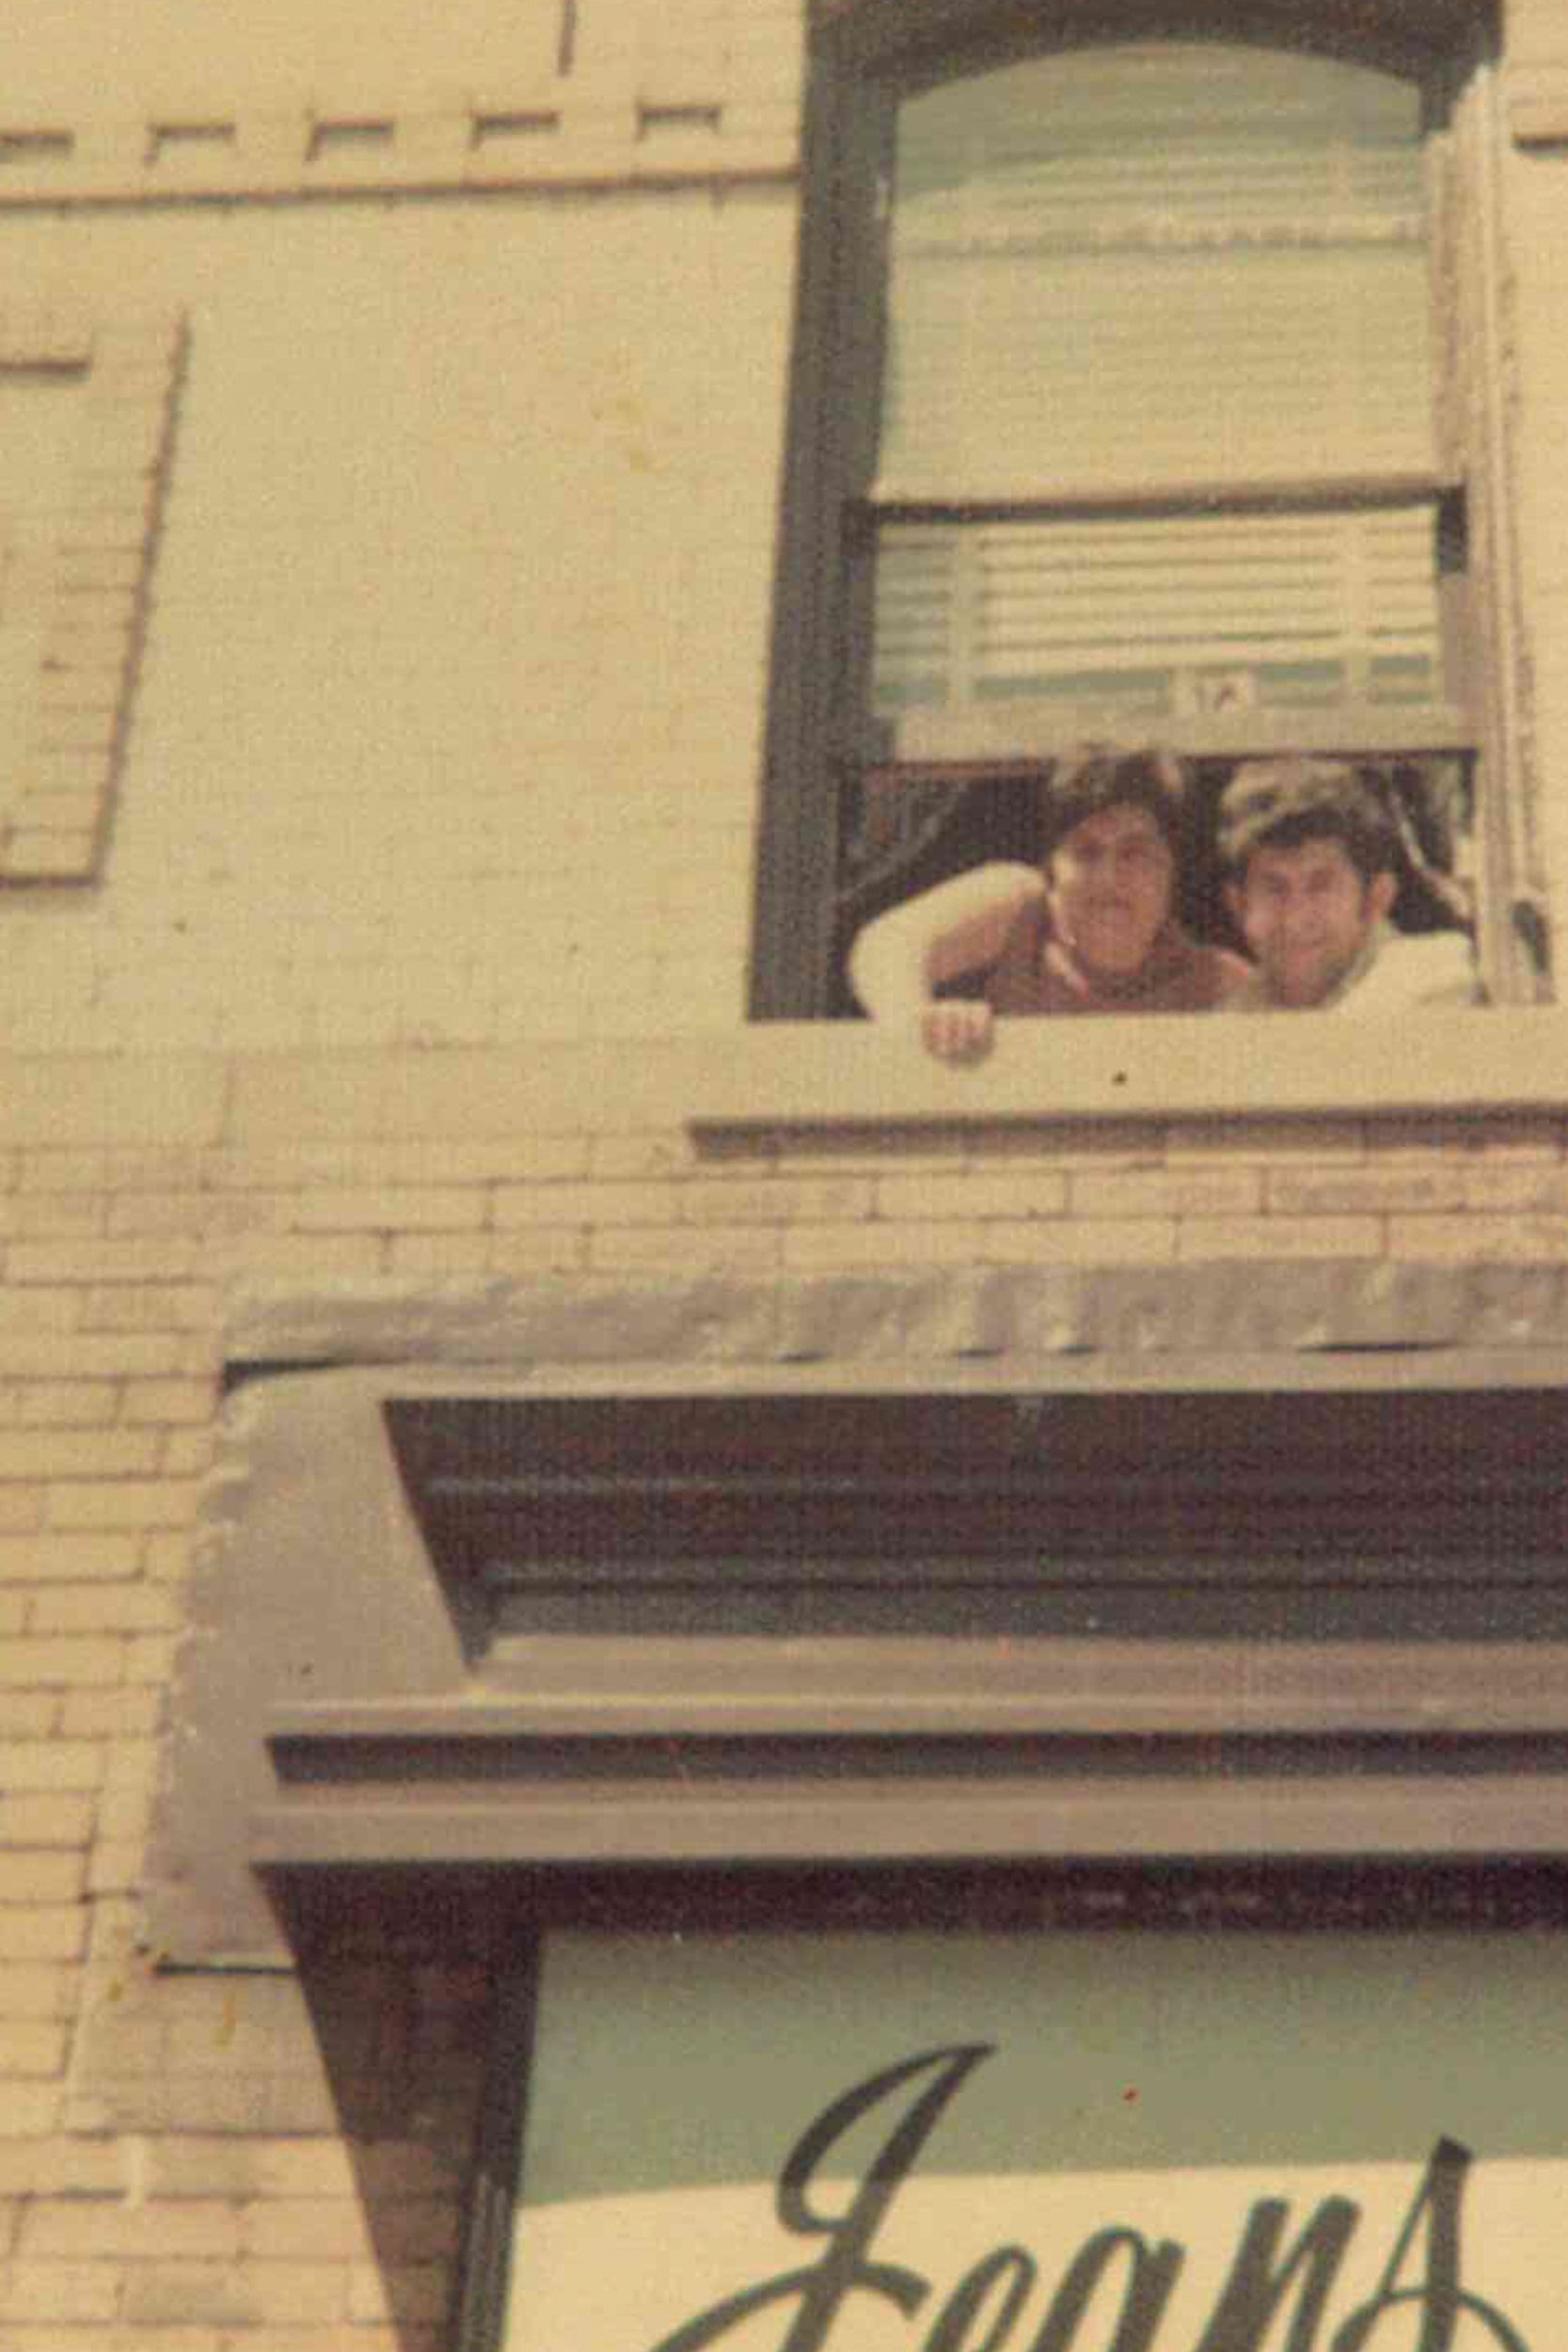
x=443, y=760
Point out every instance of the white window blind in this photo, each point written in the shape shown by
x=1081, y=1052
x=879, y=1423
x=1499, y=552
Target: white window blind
x=1189, y=274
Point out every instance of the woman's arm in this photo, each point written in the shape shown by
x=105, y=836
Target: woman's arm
x=962, y=926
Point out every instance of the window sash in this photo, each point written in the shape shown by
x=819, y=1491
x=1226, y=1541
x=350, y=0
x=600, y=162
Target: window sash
x=1156, y=621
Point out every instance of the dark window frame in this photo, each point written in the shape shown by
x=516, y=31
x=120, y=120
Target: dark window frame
x=862, y=55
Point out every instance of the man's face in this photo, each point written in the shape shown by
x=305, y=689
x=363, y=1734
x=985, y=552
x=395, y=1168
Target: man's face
x=1305, y=915
x=1108, y=885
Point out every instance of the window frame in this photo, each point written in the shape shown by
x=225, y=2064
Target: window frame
x=863, y=54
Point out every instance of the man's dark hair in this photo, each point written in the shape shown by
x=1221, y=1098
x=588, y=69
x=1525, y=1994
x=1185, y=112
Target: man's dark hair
x=1280, y=803
x=1099, y=778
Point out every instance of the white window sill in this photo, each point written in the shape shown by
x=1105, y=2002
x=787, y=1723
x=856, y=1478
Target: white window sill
x=796, y=1073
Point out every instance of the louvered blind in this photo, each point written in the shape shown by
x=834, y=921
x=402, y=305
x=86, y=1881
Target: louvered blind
x=1124, y=274
x=1162, y=619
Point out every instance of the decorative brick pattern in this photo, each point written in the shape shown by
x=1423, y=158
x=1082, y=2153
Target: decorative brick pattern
x=93, y=597
x=624, y=93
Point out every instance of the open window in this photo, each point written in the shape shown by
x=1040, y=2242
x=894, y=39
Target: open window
x=1145, y=391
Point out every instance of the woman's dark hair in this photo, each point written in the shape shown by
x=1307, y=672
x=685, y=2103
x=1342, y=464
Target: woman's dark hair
x=1098, y=778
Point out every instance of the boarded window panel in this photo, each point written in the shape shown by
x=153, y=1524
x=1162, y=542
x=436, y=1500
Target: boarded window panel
x=1121, y=370
x=1298, y=609
x=1157, y=264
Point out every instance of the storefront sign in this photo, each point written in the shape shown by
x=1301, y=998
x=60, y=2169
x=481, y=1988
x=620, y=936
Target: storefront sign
x=1090, y=2143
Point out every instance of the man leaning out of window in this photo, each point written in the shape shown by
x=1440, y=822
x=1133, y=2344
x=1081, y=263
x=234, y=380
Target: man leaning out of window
x=1092, y=929
x=1312, y=859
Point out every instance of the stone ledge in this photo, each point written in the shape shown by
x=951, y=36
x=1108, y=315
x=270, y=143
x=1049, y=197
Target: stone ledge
x=1319, y=1324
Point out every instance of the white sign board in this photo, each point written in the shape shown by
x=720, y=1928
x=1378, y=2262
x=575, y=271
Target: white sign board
x=1056, y=2142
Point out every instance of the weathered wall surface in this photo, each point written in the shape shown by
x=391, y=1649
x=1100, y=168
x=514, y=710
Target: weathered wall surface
x=442, y=763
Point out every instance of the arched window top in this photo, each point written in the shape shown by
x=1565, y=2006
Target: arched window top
x=1188, y=130
x=1399, y=34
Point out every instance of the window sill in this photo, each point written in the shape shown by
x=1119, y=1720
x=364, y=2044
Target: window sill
x=823, y=1073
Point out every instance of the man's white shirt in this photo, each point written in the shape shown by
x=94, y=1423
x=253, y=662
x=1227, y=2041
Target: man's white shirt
x=1395, y=971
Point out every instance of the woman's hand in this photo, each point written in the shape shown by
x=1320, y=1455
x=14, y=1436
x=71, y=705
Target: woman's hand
x=958, y=1031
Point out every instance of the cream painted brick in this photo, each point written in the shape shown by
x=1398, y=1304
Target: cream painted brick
x=58, y=1933
x=683, y=1250
x=62, y=2167
x=28, y=2111
x=110, y=1714
x=57, y=1764
x=156, y=2232
x=99, y=1609
x=21, y=1509
x=125, y=1504
x=1175, y=1192
x=545, y=1249
x=100, y=1098
x=81, y=1357
x=59, y=1215
x=775, y=1200
x=77, y=1453
x=1205, y=1238
x=591, y=1204
x=875, y=1242
x=1082, y=1241
x=59, y=2290
x=67, y=1404
x=28, y=1717
x=123, y=1813
x=166, y=1558
x=1506, y=1187
x=189, y=1216
x=405, y=1208
x=150, y=1657
x=45, y=1820
x=456, y=1254
x=151, y=1260
x=34, y=2049
x=14, y=1611
x=39, y=1663
x=188, y=1452
x=169, y=1400
x=144, y=2339
x=155, y=1307
x=1296, y=1193
x=36, y=1991
x=289, y=2339
x=284, y=1168
x=117, y=1867
x=314, y=1257
x=1015, y=1195
x=63, y=1171
x=36, y=1311
x=1479, y=1240
x=186, y=2295
x=36, y=1877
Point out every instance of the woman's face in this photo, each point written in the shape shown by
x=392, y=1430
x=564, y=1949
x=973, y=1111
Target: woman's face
x=1108, y=885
